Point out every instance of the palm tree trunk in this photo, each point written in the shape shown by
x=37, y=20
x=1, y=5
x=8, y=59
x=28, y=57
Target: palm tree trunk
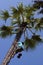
x=12, y=50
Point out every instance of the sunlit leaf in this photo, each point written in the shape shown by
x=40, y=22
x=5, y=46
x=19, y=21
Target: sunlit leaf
x=29, y=12
x=20, y=8
x=15, y=12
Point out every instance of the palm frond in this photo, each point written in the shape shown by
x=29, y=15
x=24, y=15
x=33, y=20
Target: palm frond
x=39, y=25
x=5, y=31
x=36, y=37
x=20, y=8
x=29, y=43
x=15, y=13
x=4, y=15
x=38, y=4
x=29, y=11
x=14, y=22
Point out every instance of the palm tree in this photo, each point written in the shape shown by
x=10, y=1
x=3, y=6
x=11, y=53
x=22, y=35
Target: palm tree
x=22, y=21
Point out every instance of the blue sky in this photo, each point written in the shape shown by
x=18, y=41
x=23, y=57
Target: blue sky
x=32, y=57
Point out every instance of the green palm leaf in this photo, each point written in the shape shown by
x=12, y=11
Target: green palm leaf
x=20, y=8
x=5, y=31
x=38, y=4
x=5, y=15
x=15, y=13
x=39, y=25
x=29, y=11
x=29, y=43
